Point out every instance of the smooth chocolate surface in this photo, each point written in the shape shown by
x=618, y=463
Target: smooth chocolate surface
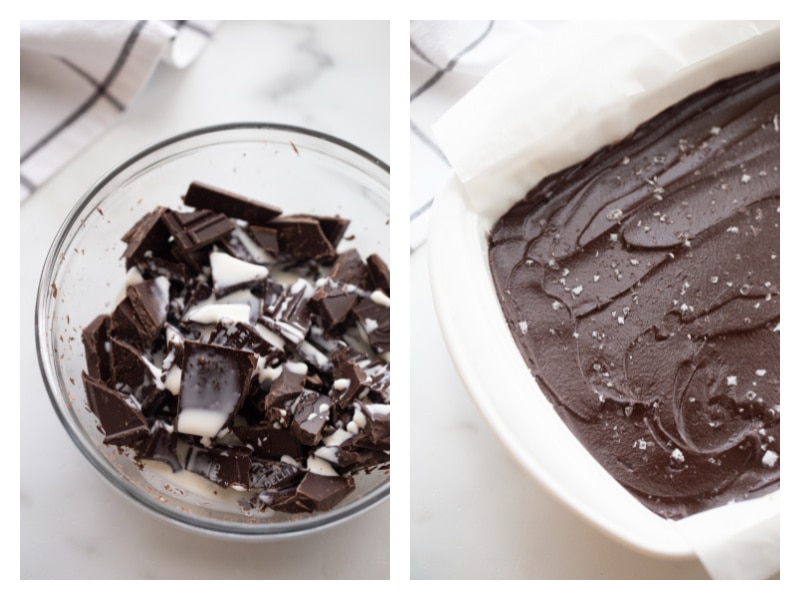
x=642, y=287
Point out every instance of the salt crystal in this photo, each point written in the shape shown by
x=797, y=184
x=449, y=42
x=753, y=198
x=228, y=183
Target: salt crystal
x=769, y=459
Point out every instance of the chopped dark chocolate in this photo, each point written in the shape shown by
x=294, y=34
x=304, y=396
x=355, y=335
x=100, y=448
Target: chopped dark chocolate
x=150, y=300
x=129, y=369
x=122, y=423
x=227, y=466
x=270, y=442
x=335, y=303
x=310, y=415
x=148, y=237
x=290, y=314
x=378, y=272
x=95, y=340
x=334, y=228
x=244, y=336
x=234, y=353
x=373, y=318
x=289, y=384
x=274, y=475
x=125, y=325
x=349, y=380
x=377, y=427
x=213, y=385
x=267, y=238
x=303, y=238
x=235, y=206
x=197, y=229
x=350, y=269
x=162, y=446
x=319, y=492
x=154, y=266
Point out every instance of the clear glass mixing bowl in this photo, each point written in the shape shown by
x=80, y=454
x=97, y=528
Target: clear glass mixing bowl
x=299, y=170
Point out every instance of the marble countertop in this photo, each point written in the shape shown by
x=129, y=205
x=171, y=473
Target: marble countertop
x=331, y=77
x=475, y=513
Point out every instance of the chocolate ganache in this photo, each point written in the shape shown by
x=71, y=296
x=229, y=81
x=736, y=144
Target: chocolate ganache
x=642, y=287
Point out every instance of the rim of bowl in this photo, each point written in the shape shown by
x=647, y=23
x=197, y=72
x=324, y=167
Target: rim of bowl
x=243, y=530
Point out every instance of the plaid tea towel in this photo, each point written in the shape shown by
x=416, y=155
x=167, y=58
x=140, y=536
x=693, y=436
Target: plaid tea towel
x=448, y=58
x=76, y=78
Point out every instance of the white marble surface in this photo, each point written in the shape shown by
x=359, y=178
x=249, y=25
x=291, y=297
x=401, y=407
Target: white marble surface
x=331, y=77
x=475, y=514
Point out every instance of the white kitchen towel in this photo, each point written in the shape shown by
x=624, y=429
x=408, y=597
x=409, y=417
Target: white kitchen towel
x=77, y=77
x=448, y=58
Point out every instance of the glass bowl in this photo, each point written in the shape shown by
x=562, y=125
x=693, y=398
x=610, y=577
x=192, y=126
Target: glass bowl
x=299, y=170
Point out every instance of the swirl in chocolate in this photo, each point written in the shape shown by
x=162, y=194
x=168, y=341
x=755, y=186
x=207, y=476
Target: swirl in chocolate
x=642, y=287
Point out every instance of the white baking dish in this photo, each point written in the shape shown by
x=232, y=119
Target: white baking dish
x=499, y=382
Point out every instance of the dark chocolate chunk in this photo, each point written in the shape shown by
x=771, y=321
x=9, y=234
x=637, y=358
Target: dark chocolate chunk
x=319, y=492
x=310, y=416
x=378, y=381
x=334, y=228
x=162, y=446
x=334, y=302
x=377, y=427
x=214, y=382
x=148, y=237
x=290, y=314
x=193, y=230
x=303, y=238
x=287, y=386
x=270, y=442
x=287, y=502
x=158, y=404
x=235, y=206
x=243, y=336
x=197, y=292
x=378, y=272
x=349, y=268
x=274, y=475
x=122, y=422
x=267, y=238
x=234, y=245
x=125, y=325
x=227, y=466
x=278, y=416
x=349, y=380
x=374, y=321
x=150, y=300
x=95, y=340
x=130, y=369
x=154, y=266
